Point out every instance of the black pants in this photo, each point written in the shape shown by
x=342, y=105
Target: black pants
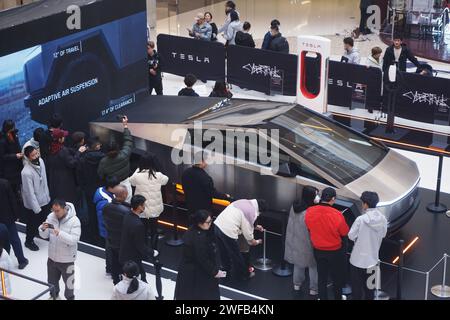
x=116, y=267
x=330, y=263
x=93, y=232
x=151, y=227
x=155, y=83
x=15, y=241
x=230, y=254
x=108, y=257
x=363, y=22
x=142, y=271
x=360, y=287
x=34, y=221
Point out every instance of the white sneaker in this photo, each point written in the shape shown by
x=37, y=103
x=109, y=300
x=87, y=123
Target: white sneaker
x=155, y=253
x=344, y=297
x=296, y=287
x=57, y=298
x=313, y=292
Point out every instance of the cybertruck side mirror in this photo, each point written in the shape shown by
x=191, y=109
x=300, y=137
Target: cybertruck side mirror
x=284, y=170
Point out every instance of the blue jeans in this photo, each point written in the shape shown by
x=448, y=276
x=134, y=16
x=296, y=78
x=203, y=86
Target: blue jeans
x=15, y=242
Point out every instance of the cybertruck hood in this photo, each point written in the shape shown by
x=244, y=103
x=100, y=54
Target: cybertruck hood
x=394, y=179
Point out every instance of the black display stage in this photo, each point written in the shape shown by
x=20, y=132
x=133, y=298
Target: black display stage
x=426, y=236
x=403, y=137
x=432, y=230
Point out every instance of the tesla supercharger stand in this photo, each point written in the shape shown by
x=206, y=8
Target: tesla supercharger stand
x=320, y=49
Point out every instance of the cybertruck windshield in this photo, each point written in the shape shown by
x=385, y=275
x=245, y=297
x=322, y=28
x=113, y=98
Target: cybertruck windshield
x=337, y=151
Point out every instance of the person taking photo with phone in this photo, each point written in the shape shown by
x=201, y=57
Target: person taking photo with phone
x=117, y=160
x=63, y=229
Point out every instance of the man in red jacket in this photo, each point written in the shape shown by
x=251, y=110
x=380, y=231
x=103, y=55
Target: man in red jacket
x=327, y=226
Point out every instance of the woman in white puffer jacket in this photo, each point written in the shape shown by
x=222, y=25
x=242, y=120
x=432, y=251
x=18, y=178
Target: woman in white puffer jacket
x=148, y=182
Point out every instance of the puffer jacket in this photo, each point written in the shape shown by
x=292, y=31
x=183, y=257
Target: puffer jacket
x=367, y=232
x=298, y=248
x=35, y=193
x=101, y=198
x=144, y=292
x=150, y=188
x=230, y=34
x=63, y=248
x=120, y=165
x=352, y=56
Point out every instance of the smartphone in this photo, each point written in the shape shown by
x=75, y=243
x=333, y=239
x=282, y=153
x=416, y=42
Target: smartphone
x=50, y=226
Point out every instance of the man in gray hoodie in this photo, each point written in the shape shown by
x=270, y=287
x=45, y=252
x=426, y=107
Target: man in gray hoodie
x=63, y=229
x=35, y=194
x=351, y=54
x=367, y=232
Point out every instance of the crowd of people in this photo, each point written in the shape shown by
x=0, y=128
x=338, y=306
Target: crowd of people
x=52, y=175
x=235, y=31
x=48, y=182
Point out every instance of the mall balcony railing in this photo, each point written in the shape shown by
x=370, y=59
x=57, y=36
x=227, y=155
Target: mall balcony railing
x=3, y=296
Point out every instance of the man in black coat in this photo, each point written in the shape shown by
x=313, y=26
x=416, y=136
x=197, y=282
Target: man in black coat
x=278, y=43
x=46, y=139
x=89, y=182
x=198, y=187
x=154, y=70
x=363, y=5
x=62, y=163
x=133, y=245
x=244, y=38
x=9, y=212
x=10, y=155
x=397, y=54
x=113, y=216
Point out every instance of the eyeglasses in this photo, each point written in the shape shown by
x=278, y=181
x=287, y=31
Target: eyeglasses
x=208, y=221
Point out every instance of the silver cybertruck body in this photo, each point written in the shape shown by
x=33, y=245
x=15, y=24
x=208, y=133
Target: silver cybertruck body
x=312, y=150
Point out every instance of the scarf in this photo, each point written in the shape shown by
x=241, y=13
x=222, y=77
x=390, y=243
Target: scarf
x=55, y=147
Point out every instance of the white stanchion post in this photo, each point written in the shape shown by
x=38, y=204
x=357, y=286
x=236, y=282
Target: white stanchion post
x=442, y=290
x=263, y=264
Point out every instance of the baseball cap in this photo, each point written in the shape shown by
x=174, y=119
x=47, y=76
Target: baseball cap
x=59, y=133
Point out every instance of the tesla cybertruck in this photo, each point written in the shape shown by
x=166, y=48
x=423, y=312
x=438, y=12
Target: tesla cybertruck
x=311, y=149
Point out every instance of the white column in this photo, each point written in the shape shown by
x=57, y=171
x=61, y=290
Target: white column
x=151, y=18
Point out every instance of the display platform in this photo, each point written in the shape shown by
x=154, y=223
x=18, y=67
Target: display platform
x=404, y=137
x=432, y=231
x=423, y=226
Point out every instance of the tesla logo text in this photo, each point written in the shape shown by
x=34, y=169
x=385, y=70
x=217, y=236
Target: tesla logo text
x=73, y=22
x=340, y=83
x=260, y=69
x=311, y=45
x=190, y=57
x=430, y=98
